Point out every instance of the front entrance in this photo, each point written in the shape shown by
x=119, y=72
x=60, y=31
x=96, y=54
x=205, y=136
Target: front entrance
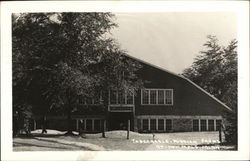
x=119, y=120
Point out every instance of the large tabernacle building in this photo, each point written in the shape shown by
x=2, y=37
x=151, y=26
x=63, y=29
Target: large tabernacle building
x=167, y=103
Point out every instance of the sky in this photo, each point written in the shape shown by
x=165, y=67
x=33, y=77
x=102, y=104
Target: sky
x=171, y=40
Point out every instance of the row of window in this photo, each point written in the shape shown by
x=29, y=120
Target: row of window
x=89, y=124
x=206, y=125
x=156, y=124
x=153, y=124
x=90, y=101
x=148, y=97
x=157, y=97
x=167, y=125
x=120, y=97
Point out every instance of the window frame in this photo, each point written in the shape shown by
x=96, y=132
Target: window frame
x=218, y=123
x=83, y=100
x=81, y=124
x=207, y=125
x=171, y=125
x=125, y=94
x=91, y=124
x=203, y=126
x=163, y=124
x=210, y=125
x=142, y=98
x=153, y=126
x=145, y=125
x=157, y=96
x=194, y=125
x=156, y=126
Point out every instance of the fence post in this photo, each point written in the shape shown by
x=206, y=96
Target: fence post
x=128, y=129
x=104, y=128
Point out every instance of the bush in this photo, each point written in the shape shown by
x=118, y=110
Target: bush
x=230, y=128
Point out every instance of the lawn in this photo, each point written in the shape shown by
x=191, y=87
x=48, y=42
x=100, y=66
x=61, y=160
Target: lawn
x=117, y=141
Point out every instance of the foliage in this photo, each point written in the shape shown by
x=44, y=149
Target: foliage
x=215, y=70
x=58, y=57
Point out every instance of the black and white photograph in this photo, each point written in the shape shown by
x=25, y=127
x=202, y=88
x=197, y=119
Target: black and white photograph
x=124, y=81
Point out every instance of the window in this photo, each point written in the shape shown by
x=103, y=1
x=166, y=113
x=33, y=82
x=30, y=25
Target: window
x=168, y=125
x=160, y=124
x=145, y=97
x=113, y=97
x=195, y=125
x=153, y=97
x=97, y=125
x=218, y=125
x=157, y=96
x=161, y=96
x=81, y=100
x=210, y=125
x=90, y=101
x=153, y=124
x=121, y=97
x=145, y=124
x=130, y=98
x=97, y=99
x=89, y=125
x=81, y=124
x=203, y=125
x=168, y=97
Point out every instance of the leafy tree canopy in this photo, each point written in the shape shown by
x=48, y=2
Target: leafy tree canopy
x=60, y=56
x=215, y=70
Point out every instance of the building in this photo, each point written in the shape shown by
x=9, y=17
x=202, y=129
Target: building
x=167, y=103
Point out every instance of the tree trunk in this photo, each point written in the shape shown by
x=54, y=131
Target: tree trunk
x=220, y=139
x=69, y=120
x=44, y=124
x=69, y=109
x=105, y=106
x=27, y=126
x=103, y=128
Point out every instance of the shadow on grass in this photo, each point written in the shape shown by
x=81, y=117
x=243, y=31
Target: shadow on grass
x=29, y=144
x=31, y=136
x=55, y=145
x=54, y=141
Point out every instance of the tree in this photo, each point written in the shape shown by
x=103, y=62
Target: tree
x=215, y=70
x=60, y=56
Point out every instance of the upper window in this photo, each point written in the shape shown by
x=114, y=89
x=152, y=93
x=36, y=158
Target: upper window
x=145, y=96
x=90, y=101
x=152, y=95
x=157, y=97
x=119, y=97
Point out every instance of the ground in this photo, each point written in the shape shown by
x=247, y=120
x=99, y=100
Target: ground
x=117, y=141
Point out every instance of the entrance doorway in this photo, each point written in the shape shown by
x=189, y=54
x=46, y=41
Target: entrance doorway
x=119, y=120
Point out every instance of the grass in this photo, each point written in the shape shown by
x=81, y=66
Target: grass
x=117, y=141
